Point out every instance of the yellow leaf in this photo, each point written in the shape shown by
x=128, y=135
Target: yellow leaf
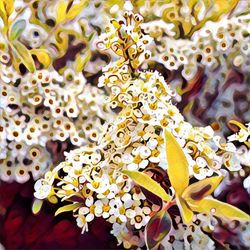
x=218, y=208
x=115, y=24
x=61, y=11
x=53, y=199
x=148, y=183
x=76, y=9
x=24, y=55
x=3, y=13
x=82, y=60
x=42, y=56
x=37, y=205
x=186, y=212
x=67, y=208
x=177, y=164
x=6, y=9
x=201, y=189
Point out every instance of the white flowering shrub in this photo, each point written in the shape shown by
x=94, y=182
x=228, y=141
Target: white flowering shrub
x=151, y=174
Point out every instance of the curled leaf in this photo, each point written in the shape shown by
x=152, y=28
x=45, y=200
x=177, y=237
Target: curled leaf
x=67, y=208
x=238, y=124
x=17, y=29
x=24, y=55
x=218, y=208
x=148, y=183
x=201, y=189
x=157, y=229
x=177, y=164
x=37, y=205
x=42, y=56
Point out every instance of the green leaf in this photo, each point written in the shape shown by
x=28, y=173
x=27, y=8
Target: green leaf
x=201, y=189
x=67, y=208
x=17, y=29
x=37, y=205
x=157, y=229
x=24, y=55
x=218, y=208
x=177, y=164
x=148, y=183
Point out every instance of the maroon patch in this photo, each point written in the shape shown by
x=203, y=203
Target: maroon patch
x=199, y=195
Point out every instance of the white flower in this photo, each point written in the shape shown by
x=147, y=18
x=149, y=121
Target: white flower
x=133, y=166
x=199, y=168
x=152, y=143
x=102, y=208
x=241, y=136
x=21, y=174
x=89, y=210
x=100, y=184
x=127, y=158
x=138, y=196
x=127, y=200
x=118, y=228
x=42, y=189
x=141, y=217
x=145, y=152
x=117, y=209
x=81, y=222
x=110, y=192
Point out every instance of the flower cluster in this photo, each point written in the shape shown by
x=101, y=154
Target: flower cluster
x=42, y=101
x=206, y=54
x=38, y=110
x=105, y=180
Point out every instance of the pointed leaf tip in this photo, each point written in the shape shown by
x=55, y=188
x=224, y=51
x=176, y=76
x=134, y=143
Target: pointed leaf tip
x=218, y=208
x=67, y=208
x=37, y=205
x=177, y=164
x=148, y=183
